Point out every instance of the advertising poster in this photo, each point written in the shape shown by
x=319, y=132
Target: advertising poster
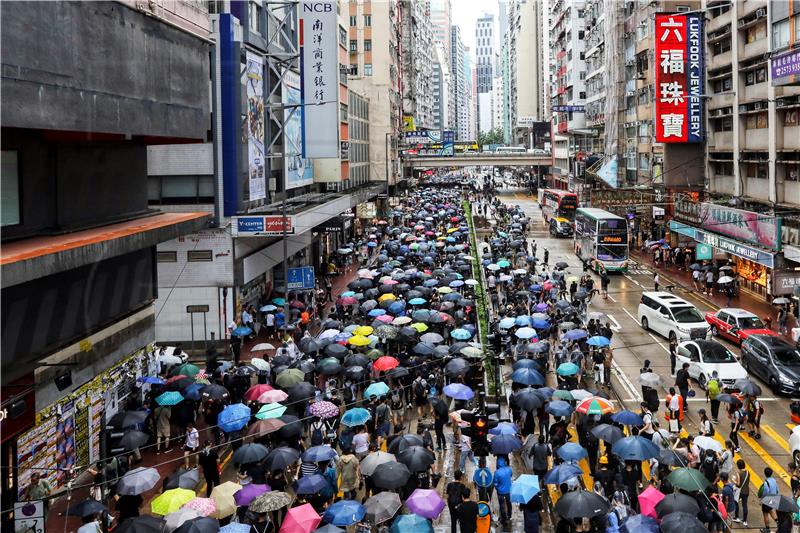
x=748, y=226
x=256, y=157
x=299, y=170
x=319, y=70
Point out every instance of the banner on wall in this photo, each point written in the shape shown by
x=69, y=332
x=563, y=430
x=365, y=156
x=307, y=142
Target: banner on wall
x=299, y=171
x=748, y=226
x=679, y=60
x=256, y=156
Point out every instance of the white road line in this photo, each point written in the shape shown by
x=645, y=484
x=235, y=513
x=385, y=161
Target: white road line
x=616, y=326
x=630, y=315
x=658, y=342
x=612, y=298
x=632, y=280
x=626, y=382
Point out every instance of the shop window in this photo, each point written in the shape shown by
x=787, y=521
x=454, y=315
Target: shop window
x=167, y=257
x=790, y=118
x=756, y=121
x=9, y=194
x=199, y=256
x=752, y=272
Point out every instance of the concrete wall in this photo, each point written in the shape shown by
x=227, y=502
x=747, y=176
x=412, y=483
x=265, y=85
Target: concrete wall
x=101, y=67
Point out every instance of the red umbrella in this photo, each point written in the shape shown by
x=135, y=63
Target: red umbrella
x=255, y=391
x=347, y=300
x=176, y=378
x=297, y=304
x=385, y=363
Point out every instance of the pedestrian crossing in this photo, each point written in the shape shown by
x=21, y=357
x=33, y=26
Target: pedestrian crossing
x=640, y=271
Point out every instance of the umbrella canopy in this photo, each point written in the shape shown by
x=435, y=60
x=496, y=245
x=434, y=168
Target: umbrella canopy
x=607, y=433
x=138, y=480
x=344, y=513
x=425, y=503
x=504, y=428
x=411, y=523
x=317, y=454
x=141, y=524
x=377, y=390
x=324, y=409
x=204, y=506
x=459, y=391
x=527, y=376
x=223, y=496
x=300, y=519
x=581, y=504
x=640, y=524
x=385, y=363
x=171, y=500
x=505, y=444
x=648, y=499
x=270, y=410
x=86, y=508
x=233, y=417
x=747, y=387
x=356, y=416
x=250, y=453
x=182, y=479
x=249, y=492
x=561, y=473
x=390, y=475
x=524, y=488
x=375, y=459
x=202, y=524
x=289, y=378
x=572, y=451
x=676, y=503
x=528, y=400
x=628, y=418
x=270, y=501
x=708, y=443
x=382, y=507
x=176, y=519
x=416, y=458
x=688, y=479
x=280, y=458
x=682, y=523
x=127, y=419
x=310, y=484
x=780, y=503
x=567, y=369
x=169, y=398
x=635, y=448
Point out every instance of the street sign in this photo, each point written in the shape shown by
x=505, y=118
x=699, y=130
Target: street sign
x=29, y=517
x=197, y=308
x=301, y=278
x=483, y=477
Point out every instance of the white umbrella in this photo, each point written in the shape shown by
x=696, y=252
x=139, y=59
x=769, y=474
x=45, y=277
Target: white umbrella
x=708, y=443
x=662, y=438
x=167, y=359
x=725, y=279
x=260, y=364
x=471, y=282
x=520, y=271
x=780, y=301
x=262, y=347
x=649, y=379
x=176, y=519
x=328, y=334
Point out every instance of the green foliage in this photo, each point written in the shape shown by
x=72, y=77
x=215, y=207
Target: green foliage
x=494, y=136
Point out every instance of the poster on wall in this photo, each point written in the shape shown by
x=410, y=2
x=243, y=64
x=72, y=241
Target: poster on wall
x=748, y=226
x=256, y=156
x=319, y=70
x=299, y=171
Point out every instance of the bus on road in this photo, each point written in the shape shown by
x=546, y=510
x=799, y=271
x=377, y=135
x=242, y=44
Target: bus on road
x=558, y=204
x=601, y=240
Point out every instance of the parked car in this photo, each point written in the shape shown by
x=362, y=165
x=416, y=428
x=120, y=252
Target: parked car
x=705, y=357
x=774, y=360
x=736, y=324
x=672, y=317
x=560, y=227
x=794, y=444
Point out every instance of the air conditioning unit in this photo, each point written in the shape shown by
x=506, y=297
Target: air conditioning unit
x=780, y=102
x=743, y=108
x=742, y=22
x=758, y=105
x=761, y=13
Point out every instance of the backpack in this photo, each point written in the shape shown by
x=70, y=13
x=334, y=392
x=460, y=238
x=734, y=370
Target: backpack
x=710, y=466
x=712, y=431
x=713, y=388
x=723, y=512
x=420, y=388
x=317, y=436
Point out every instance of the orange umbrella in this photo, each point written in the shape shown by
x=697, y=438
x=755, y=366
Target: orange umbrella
x=594, y=406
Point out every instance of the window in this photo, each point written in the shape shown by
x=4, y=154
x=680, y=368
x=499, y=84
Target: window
x=757, y=170
x=722, y=46
x=343, y=112
x=254, y=18
x=342, y=36
x=197, y=256
x=756, y=33
x=683, y=9
x=780, y=34
x=9, y=194
x=354, y=69
x=722, y=168
x=166, y=257
x=756, y=121
x=758, y=75
x=353, y=20
x=367, y=45
x=367, y=21
x=723, y=124
x=723, y=85
x=353, y=45
x=793, y=173
x=367, y=69
x=789, y=119
x=644, y=162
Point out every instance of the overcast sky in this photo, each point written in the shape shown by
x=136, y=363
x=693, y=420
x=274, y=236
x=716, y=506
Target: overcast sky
x=466, y=12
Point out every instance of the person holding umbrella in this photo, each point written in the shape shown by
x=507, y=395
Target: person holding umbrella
x=208, y=459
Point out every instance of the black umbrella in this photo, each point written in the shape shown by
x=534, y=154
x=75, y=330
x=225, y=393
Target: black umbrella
x=334, y=350
x=250, y=453
x=672, y=458
x=311, y=345
x=439, y=406
x=405, y=441
x=527, y=399
x=182, y=479
x=356, y=360
x=133, y=439
x=423, y=348
x=280, y=458
x=780, y=503
x=747, y=387
x=682, y=523
x=86, y=508
x=581, y=504
x=245, y=370
x=728, y=398
x=179, y=384
x=293, y=427
x=561, y=265
x=127, y=419
x=301, y=391
x=456, y=367
x=355, y=373
x=285, y=360
x=331, y=324
x=416, y=458
x=397, y=372
x=214, y=392
x=391, y=475
x=141, y=524
x=304, y=365
x=677, y=503
x=329, y=366
x=203, y=524
x=607, y=433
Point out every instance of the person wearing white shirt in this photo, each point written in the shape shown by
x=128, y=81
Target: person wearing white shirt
x=191, y=445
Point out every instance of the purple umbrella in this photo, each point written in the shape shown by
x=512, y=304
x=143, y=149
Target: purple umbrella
x=425, y=503
x=248, y=493
x=541, y=308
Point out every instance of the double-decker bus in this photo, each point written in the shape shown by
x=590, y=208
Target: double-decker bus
x=601, y=239
x=558, y=204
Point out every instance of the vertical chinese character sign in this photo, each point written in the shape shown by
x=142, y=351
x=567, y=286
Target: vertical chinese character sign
x=679, y=77
x=319, y=67
x=254, y=80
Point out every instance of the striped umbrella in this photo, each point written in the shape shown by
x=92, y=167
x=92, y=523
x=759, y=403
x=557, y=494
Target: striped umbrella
x=594, y=406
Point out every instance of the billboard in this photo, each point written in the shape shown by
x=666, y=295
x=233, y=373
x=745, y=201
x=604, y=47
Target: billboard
x=679, y=77
x=319, y=69
x=298, y=170
x=748, y=226
x=786, y=68
x=256, y=157
x=262, y=225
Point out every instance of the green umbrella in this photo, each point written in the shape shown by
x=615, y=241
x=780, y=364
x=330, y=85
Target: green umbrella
x=562, y=394
x=290, y=377
x=187, y=369
x=169, y=398
x=270, y=410
x=688, y=479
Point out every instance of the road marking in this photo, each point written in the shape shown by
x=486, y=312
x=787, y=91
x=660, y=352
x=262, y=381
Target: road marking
x=777, y=438
x=611, y=298
x=616, y=326
x=755, y=479
x=658, y=342
x=632, y=280
x=630, y=315
x=767, y=458
x=791, y=426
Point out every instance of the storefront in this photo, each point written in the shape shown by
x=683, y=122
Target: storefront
x=753, y=265
x=66, y=434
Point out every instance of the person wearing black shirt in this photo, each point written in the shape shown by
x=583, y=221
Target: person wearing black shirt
x=467, y=513
x=128, y=506
x=682, y=382
x=530, y=514
x=673, y=358
x=209, y=462
x=453, y=492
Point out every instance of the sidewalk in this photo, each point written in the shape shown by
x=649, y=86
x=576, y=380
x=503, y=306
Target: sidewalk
x=683, y=278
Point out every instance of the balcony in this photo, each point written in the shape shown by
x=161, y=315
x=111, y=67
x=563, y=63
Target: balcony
x=755, y=139
x=791, y=139
x=791, y=191
x=754, y=49
x=719, y=60
x=722, y=184
x=716, y=23
x=757, y=188
x=754, y=93
x=722, y=140
x=724, y=99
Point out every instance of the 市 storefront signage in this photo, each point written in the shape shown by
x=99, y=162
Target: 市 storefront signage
x=679, y=77
x=736, y=248
x=786, y=67
x=757, y=228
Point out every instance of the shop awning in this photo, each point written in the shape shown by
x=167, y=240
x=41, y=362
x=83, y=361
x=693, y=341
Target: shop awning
x=37, y=257
x=681, y=228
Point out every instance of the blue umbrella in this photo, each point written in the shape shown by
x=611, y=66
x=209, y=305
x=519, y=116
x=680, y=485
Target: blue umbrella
x=377, y=389
x=372, y=244
x=523, y=320
x=562, y=473
x=460, y=334
x=152, y=380
x=559, y=408
x=527, y=376
x=430, y=282
x=417, y=301
x=310, y=484
x=456, y=283
x=267, y=308
x=507, y=322
x=599, y=341
x=317, y=454
x=524, y=488
x=357, y=416
x=572, y=451
x=344, y=513
x=525, y=333
x=170, y=398
x=459, y=391
x=536, y=288
x=235, y=527
x=635, y=448
x=541, y=324
x=280, y=302
x=627, y=418
x=575, y=334
x=411, y=523
x=241, y=331
x=505, y=444
x=526, y=363
x=545, y=392
x=397, y=307
x=347, y=294
x=193, y=391
x=640, y=523
x=377, y=312
x=233, y=417
x=504, y=428
x=539, y=347
x=567, y=369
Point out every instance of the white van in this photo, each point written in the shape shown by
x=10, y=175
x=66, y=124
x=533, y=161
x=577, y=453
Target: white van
x=672, y=317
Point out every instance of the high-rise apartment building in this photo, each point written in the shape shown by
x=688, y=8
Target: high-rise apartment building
x=441, y=90
x=484, y=52
x=416, y=59
x=568, y=71
x=527, y=63
x=460, y=84
x=441, y=20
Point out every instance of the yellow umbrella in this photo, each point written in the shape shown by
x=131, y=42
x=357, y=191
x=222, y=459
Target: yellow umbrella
x=420, y=327
x=358, y=340
x=223, y=497
x=171, y=500
x=441, y=238
x=364, y=331
x=385, y=297
x=571, y=279
x=452, y=230
x=444, y=290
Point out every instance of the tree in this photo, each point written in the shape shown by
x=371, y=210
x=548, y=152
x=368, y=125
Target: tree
x=494, y=136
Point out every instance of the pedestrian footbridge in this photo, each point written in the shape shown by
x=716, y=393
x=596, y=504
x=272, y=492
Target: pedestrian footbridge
x=469, y=160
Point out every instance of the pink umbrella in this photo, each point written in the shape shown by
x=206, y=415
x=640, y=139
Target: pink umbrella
x=648, y=500
x=205, y=506
x=255, y=391
x=272, y=396
x=386, y=319
x=425, y=503
x=300, y=519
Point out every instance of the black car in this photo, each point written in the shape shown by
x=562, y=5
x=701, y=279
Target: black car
x=774, y=360
x=560, y=227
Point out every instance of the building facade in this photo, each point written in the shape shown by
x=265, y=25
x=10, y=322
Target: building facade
x=416, y=60
x=441, y=90
x=459, y=84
